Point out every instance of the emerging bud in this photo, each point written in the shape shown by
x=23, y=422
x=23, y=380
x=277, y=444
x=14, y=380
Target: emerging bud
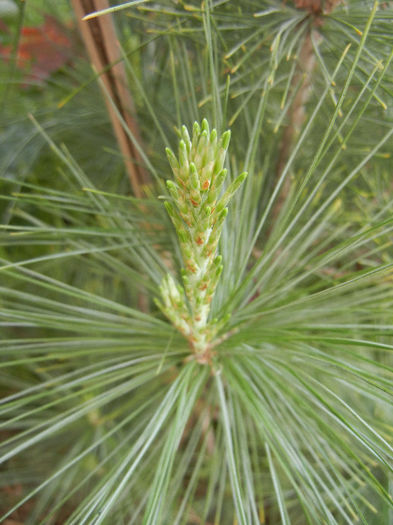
x=173, y=189
x=225, y=140
x=172, y=159
x=198, y=220
x=194, y=179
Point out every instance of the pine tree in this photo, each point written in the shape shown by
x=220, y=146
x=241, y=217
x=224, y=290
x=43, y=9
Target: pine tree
x=215, y=347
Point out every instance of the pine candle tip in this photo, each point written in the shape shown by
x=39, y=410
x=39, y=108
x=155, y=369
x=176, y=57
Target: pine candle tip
x=185, y=134
x=223, y=214
x=225, y=139
x=171, y=158
x=239, y=180
x=219, y=270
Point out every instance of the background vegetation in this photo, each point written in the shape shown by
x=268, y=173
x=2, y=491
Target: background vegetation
x=105, y=416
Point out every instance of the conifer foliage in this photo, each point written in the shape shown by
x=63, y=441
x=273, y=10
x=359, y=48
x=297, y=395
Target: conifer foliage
x=218, y=351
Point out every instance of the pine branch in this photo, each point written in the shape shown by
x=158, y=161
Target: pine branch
x=306, y=63
x=102, y=45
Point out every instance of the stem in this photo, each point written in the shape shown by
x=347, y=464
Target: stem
x=99, y=36
x=297, y=112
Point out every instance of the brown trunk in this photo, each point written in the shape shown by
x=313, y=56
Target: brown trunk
x=102, y=45
x=296, y=115
x=317, y=6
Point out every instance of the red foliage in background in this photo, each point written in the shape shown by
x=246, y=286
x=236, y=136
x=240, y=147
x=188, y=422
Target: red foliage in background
x=42, y=50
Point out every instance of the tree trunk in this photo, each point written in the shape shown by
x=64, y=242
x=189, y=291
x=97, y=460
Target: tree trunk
x=102, y=46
